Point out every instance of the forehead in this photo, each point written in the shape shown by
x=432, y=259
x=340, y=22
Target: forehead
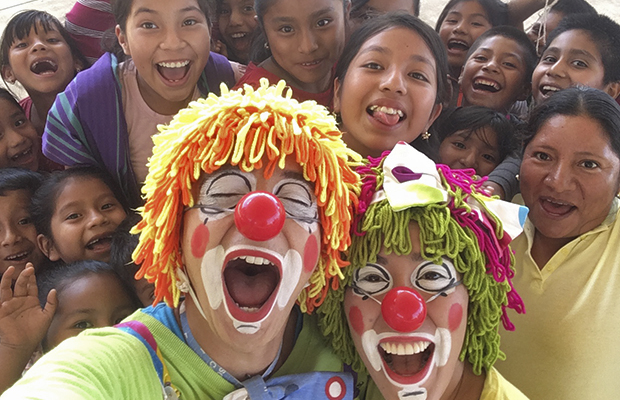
x=95, y=291
x=301, y=10
x=390, y=5
x=401, y=42
x=469, y=9
x=575, y=39
x=565, y=133
x=502, y=45
x=14, y=200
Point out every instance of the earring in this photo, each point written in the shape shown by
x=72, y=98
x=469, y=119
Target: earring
x=426, y=136
x=266, y=45
x=78, y=69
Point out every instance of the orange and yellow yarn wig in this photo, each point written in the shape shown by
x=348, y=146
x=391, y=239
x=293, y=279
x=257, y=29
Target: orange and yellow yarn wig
x=250, y=129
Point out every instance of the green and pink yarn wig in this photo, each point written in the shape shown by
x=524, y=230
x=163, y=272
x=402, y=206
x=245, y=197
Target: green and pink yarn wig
x=463, y=228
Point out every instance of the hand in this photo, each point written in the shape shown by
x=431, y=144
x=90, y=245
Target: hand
x=23, y=323
x=220, y=47
x=493, y=189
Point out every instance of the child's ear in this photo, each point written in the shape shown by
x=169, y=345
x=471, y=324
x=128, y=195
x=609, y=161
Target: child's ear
x=122, y=39
x=461, y=75
x=47, y=247
x=7, y=74
x=525, y=92
x=434, y=114
x=613, y=89
x=336, y=95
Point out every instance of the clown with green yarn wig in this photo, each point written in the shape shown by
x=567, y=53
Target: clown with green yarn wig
x=249, y=204
x=429, y=283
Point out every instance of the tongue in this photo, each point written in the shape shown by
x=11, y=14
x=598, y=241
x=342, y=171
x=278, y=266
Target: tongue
x=172, y=74
x=407, y=365
x=554, y=208
x=387, y=119
x=251, y=286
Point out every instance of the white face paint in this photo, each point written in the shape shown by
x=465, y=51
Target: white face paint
x=408, y=344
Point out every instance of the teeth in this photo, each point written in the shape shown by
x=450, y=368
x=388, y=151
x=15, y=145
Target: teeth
x=36, y=63
x=178, y=64
x=487, y=83
x=387, y=110
x=249, y=309
x=238, y=35
x=16, y=256
x=404, y=349
x=255, y=260
x=550, y=89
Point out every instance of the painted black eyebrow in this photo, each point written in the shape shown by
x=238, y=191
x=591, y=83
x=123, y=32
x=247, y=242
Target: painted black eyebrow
x=224, y=174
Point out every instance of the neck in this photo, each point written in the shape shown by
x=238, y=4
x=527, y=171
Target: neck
x=544, y=248
x=465, y=385
x=247, y=356
x=41, y=104
x=272, y=66
x=159, y=104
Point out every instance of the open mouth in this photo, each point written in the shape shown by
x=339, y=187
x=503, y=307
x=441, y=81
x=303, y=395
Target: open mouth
x=311, y=64
x=238, y=35
x=251, y=282
x=386, y=115
x=44, y=67
x=486, y=85
x=100, y=244
x=173, y=71
x=458, y=45
x=406, y=362
x=547, y=90
x=23, y=157
x=556, y=208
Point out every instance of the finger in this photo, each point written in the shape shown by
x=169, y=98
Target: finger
x=6, y=293
x=21, y=284
x=51, y=304
x=33, y=290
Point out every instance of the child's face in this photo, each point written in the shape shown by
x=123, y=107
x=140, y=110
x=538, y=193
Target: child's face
x=463, y=24
x=571, y=59
x=42, y=62
x=374, y=8
x=20, y=145
x=424, y=360
x=465, y=149
x=18, y=237
x=237, y=23
x=92, y=301
x=494, y=75
x=84, y=220
x=306, y=39
x=169, y=44
x=388, y=94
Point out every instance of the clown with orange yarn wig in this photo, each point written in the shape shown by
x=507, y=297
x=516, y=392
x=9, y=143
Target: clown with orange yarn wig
x=249, y=203
x=429, y=282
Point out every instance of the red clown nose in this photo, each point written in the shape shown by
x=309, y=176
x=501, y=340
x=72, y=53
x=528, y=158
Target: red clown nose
x=403, y=309
x=259, y=216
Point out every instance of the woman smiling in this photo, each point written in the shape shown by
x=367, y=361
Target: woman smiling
x=567, y=260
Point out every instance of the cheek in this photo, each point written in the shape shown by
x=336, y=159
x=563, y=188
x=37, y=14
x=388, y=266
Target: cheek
x=356, y=320
x=200, y=238
x=455, y=316
x=311, y=254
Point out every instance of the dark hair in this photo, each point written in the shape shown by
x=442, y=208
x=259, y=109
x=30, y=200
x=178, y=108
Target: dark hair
x=568, y=7
x=122, y=9
x=496, y=10
x=604, y=33
x=577, y=101
x=44, y=199
x=399, y=20
x=60, y=276
x=516, y=35
x=356, y=5
x=475, y=118
x=6, y=95
x=22, y=23
x=12, y=179
x=122, y=246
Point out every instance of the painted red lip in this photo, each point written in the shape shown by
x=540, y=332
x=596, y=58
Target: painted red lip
x=407, y=369
x=236, y=272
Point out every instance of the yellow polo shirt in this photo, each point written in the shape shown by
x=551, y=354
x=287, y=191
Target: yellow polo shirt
x=567, y=345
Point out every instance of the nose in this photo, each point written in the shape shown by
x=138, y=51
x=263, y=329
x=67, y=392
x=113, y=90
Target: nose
x=460, y=27
x=468, y=159
x=308, y=42
x=14, y=139
x=394, y=81
x=171, y=40
x=259, y=216
x=38, y=44
x=10, y=237
x=235, y=18
x=97, y=218
x=556, y=69
x=559, y=178
x=403, y=309
x=491, y=65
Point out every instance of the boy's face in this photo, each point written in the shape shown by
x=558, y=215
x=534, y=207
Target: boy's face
x=18, y=237
x=246, y=275
x=494, y=75
x=571, y=59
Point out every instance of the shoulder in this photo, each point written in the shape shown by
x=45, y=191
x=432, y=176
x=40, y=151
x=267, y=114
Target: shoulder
x=496, y=387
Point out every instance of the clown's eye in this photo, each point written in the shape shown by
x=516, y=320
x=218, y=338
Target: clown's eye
x=434, y=278
x=298, y=201
x=221, y=192
x=372, y=279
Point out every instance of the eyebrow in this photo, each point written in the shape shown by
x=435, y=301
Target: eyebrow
x=505, y=54
x=385, y=50
x=572, y=52
x=146, y=10
x=313, y=15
